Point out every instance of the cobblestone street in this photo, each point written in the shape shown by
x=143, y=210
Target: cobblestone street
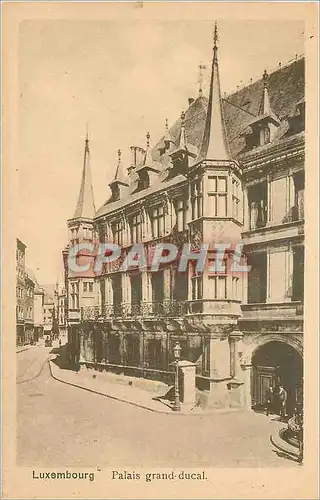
x=60, y=425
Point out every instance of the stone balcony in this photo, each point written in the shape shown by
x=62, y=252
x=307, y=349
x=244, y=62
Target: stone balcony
x=270, y=232
x=74, y=315
x=272, y=312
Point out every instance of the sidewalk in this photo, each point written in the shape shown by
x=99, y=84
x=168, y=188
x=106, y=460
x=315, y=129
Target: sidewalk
x=108, y=385
x=26, y=347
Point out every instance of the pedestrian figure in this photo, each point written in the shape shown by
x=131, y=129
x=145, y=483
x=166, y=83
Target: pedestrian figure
x=59, y=342
x=269, y=400
x=283, y=401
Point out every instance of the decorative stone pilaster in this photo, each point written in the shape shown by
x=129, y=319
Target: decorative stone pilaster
x=219, y=372
x=167, y=289
x=146, y=292
x=187, y=373
x=126, y=294
x=82, y=350
x=246, y=388
x=246, y=218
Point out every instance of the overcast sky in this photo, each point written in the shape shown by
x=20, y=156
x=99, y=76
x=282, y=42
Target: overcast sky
x=124, y=79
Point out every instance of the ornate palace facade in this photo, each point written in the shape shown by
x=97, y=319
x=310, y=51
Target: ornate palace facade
x=229, y=170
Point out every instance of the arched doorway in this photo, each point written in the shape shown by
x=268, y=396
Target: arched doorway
x=276, y=363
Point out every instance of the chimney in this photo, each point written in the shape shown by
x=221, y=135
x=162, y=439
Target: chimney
x=190, y=100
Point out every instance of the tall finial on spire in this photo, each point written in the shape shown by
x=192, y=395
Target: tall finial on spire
x=215, y=42
x=215, y=35
x=87, y=138
x=167, y=137
x=119, y=156
x=265, y=78
x=148, y=139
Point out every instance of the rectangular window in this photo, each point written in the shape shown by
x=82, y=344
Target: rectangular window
x=258, y=205
x=217, y=193
x=235, y=288
x=74, y=235
x=157, y=222
x=235, y=199
x=154, y=353
x=136, y=228
x=257, y=277
x=90, y=284
x=74, y=295
x=85, y=286
x=299, y=196
x=196, y=200
x=298, y=274
x=87, y=233
x=218, y=279
x=196, y=284
x=117, y=232
x=181, y=214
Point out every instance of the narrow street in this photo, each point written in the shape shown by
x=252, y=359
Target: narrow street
x=60, y=425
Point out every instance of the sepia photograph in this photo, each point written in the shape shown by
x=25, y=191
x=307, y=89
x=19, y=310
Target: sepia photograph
x=159, y=249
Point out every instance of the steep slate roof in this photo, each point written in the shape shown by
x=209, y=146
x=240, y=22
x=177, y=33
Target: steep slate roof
x=286, y=90
x=37, y=289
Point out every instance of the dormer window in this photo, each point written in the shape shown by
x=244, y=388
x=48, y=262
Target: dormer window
x=263, y=128
x=144, y=180
x=115, y=192
x=265, y=135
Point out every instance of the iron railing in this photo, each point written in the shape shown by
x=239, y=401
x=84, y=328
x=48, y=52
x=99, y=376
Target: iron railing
x=165, y=308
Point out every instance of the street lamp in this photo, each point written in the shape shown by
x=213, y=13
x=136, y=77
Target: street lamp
x=176, y=353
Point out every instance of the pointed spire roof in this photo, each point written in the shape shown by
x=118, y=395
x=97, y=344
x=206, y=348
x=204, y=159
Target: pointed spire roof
x=148, y=162
x=183, y=146
x=214, y=142
x=85, y=207
x=120, y=177
x=265, y=107
x=265, y=110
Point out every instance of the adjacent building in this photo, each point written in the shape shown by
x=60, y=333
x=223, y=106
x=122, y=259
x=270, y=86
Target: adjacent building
x=38, y=312
x=20, y=291
x=30, y=283
x=229, y=170
x=62, y=316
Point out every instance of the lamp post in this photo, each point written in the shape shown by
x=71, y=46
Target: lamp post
x=176, y=353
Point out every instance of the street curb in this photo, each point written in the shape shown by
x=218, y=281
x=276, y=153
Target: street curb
x=163, y=412
x=106, y=395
